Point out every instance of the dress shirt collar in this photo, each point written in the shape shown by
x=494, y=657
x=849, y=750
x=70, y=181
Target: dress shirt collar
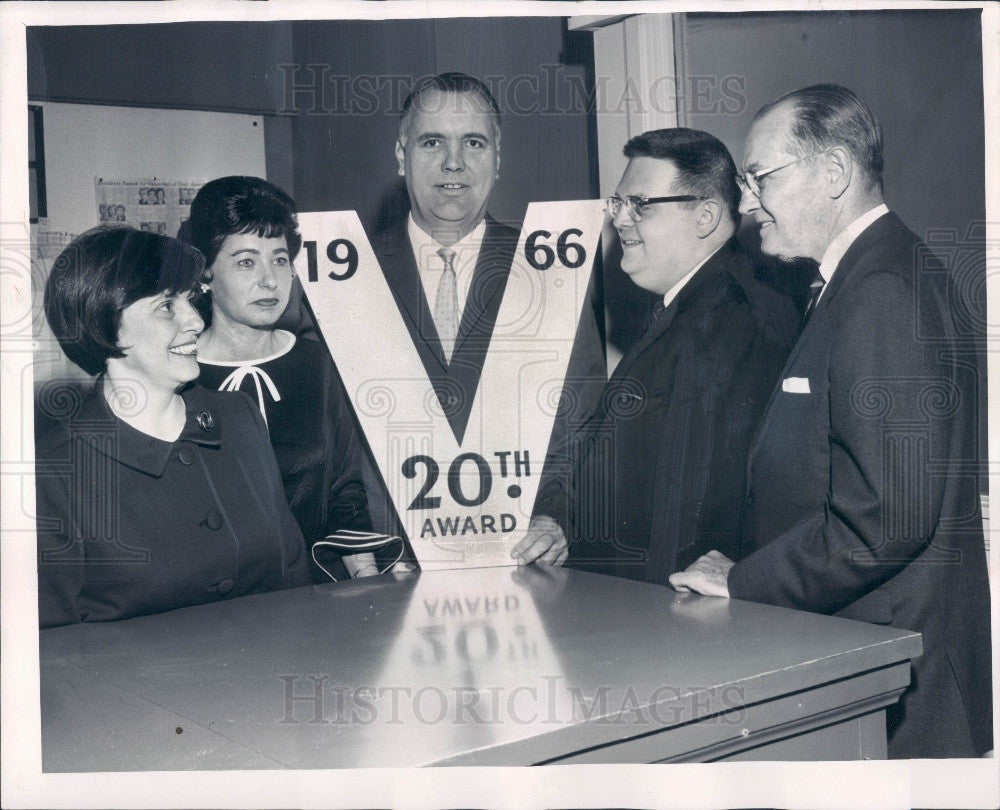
x=426, y=247
x=134, y=448
x=675, y=290
x=842, y=242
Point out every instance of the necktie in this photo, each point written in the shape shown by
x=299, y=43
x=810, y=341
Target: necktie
x=815, y=290
x=446, y=304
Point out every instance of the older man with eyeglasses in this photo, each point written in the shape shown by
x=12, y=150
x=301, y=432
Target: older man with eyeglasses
x=662, y=477
x=862, y=494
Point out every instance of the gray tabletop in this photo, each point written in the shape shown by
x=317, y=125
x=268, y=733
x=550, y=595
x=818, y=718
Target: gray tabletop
x=506, y=665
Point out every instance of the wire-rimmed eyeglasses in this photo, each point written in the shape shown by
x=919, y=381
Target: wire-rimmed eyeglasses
x=634, y=206
x=751, y=180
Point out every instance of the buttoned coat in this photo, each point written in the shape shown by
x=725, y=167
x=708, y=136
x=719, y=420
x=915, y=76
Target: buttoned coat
x=129, y=524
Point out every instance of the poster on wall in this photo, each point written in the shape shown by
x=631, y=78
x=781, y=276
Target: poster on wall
x=47, y=245
x=149, y=204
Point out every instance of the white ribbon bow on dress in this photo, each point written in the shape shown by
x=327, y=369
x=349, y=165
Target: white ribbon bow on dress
x=235, y=380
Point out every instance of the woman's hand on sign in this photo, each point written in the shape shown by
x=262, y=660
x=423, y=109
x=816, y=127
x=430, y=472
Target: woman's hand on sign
x=544, y=543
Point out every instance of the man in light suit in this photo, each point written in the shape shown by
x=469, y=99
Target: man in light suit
x=862, y=481
x=448, y=261
x=664, y=454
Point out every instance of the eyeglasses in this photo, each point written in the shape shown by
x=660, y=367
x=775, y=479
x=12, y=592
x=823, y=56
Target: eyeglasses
x=751, y=180
x=634, y=206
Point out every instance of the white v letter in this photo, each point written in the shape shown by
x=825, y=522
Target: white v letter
x=462, y=505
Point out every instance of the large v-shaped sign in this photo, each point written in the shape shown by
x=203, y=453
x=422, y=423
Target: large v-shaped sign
x=467, y=502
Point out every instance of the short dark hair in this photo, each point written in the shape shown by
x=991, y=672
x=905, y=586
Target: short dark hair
x=451, y=82
x=704, y=165
x=240, y=204
x=102, y=272
x=827, y=115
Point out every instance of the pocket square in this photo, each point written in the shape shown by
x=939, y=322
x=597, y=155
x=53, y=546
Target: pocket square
x=795, y=385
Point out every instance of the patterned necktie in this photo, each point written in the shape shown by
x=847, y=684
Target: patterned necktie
x=815, y=290
x=446, y=304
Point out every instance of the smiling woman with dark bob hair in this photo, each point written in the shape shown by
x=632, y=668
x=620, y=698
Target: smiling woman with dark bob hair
x=154, y=494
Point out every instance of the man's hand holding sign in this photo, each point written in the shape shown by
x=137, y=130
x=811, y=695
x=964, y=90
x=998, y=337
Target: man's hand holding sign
x=545, y=542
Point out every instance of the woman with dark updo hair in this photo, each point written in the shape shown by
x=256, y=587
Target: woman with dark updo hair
x=247, y=230
x=154, y=494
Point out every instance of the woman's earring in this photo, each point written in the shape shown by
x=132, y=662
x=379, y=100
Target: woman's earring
x=204, y=287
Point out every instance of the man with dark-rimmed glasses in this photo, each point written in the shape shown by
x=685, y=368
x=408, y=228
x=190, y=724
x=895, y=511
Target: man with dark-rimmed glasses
x=661, y=481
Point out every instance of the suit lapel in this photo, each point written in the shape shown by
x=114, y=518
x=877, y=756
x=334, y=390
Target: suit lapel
x=683, y=301
x=395, y=254
x=874, y=233
x=699, y=295
x=661, y=323
x=658, y=327
x=489, y=280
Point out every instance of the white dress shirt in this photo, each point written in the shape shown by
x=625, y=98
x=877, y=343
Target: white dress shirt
x=430, y=265
x=841, y=244
x=673, y=291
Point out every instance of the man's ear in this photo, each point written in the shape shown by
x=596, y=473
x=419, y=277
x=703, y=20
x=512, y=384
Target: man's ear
x=401, y=158
x=839, y=171
x=709, y=217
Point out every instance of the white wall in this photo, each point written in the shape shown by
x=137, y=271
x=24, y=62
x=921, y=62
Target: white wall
x=84, y=141
x=638, y=90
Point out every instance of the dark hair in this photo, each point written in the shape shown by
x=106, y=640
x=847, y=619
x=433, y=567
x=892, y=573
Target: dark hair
x=704, y=165
x=452, y=82
x=827, y=115
x=240, y=204
x=102, y=272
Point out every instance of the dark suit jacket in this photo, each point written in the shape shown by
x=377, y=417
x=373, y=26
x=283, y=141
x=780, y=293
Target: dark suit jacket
x=663, y=457
x=862, y=494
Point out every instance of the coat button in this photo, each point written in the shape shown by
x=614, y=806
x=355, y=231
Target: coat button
x=213, y=519
x=224, y=587
x=185, y=457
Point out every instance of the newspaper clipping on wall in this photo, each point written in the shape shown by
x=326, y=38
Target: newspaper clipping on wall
x=149, y=204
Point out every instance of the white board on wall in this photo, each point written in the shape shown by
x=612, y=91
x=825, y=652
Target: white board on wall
x=87, y=141
x=84, y=141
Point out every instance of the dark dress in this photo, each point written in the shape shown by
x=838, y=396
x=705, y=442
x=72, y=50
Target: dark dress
x=129, y=524
x=314, y=437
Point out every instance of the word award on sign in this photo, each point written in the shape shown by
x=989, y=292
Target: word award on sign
x=459, y=424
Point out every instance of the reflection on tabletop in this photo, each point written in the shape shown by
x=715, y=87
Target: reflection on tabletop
x=510, y=665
